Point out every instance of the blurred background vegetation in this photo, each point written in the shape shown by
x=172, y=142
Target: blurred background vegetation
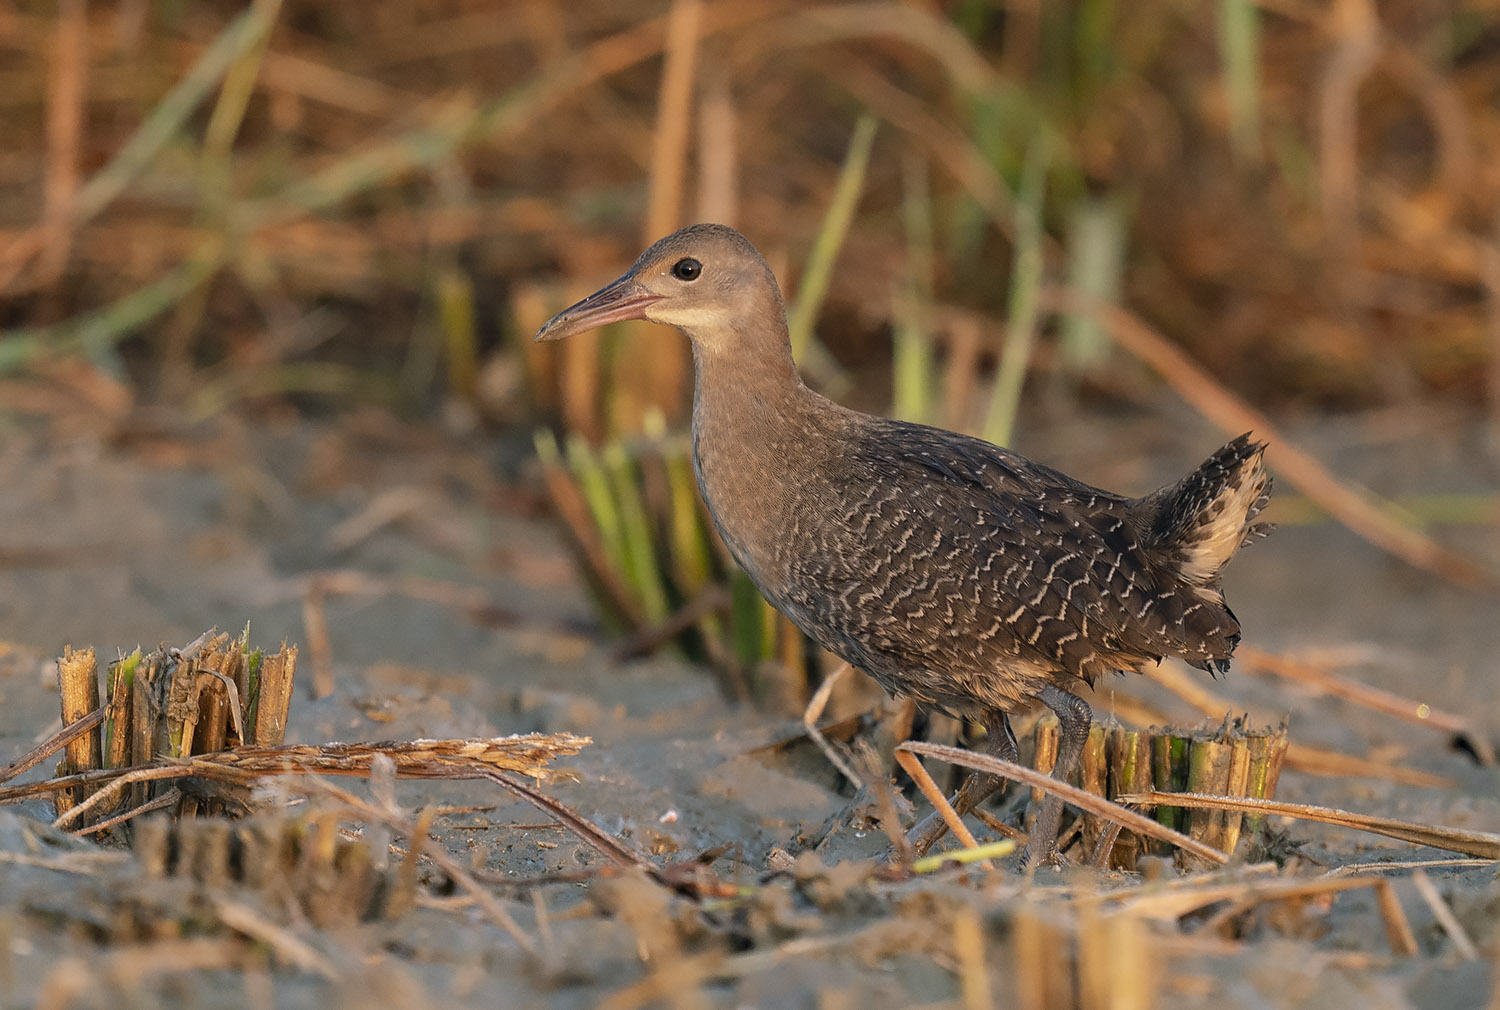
x=209, y=205
x=212, y=201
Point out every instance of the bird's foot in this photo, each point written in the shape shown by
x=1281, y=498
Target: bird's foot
x=926, y=834
x=1036, y=856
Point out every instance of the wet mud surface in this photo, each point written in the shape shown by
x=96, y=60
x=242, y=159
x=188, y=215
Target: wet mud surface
x=156, y=540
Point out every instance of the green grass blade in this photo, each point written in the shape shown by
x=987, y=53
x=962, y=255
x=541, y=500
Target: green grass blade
x=1025, y=289
x=912, y=341
x=637, y=545
x=242, y=35
x=746, y=619
x=454, y=292
x=692, y=551
x=594, y=484
x=814, y=284
x=1096, y=268
x=1239, y=49
x=98, y=331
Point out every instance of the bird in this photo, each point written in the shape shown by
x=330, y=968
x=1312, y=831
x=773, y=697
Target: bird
x=954, y=572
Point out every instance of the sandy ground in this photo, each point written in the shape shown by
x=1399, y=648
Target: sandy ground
x=155, y=539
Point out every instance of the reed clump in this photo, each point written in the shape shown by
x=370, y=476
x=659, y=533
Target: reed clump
x=306, y=866
x=215, y=694
x=1233, y=759
x=660, y=573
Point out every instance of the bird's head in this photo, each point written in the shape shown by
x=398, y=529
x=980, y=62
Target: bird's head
x=707, y=280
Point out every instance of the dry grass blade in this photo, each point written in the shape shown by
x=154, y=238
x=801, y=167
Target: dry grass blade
x=1374, y=698
x=292, y=950
x=1243, y=897
x=1395, y=865
x=162, y=802
x=1397, y=929
x=52, y=745
x=125, y=968
x=814, y=712
x=1358, y=511
x=1087, y=802
x=1335, y=764
x=417, y=832
x=431, y=759
x=65, y=117
x=527, y=754
x=1301, y=757
x=1474, y=843
x=973, y=964
x=83, y=863
x=1170, y=903
x=935, y=795
x=1444, y=916
x=608, y=845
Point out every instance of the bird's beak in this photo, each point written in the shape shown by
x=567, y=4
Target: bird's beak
x=624, y=299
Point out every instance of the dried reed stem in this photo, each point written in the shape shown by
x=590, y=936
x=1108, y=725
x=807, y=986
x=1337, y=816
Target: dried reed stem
x=78, y=681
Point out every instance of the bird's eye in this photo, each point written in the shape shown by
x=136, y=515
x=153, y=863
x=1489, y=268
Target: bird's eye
x=687, y=269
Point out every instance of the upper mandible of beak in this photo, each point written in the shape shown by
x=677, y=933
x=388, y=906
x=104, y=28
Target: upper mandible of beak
x=623, y=299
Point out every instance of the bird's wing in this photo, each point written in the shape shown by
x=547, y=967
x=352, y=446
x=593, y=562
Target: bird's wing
x=1045, y=567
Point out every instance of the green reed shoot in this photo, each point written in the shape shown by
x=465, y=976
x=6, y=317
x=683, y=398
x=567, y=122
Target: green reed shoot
x=1096, y=268
x=1025, y=291
x=912, y=366
x=813, y=286
x=1239, y=51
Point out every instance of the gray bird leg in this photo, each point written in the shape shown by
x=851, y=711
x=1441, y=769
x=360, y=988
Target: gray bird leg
x=1073, y=716
x=976, y=788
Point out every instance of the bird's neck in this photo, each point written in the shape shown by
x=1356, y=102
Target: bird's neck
x=745, y=382
x=753, y=425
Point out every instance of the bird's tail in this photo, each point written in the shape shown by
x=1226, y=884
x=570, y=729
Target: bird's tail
x=1210, y=514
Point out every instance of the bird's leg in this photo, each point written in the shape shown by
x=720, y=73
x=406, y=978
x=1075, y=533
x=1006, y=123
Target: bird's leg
x=810, y=717
x=1073, y=716
x=976, y=788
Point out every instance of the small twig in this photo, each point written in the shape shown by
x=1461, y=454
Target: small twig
x=294, y=951
x=934, y=795
x=711, y=599
x=315, y=627
x=86, y=863
x=998, y=826
x=54, y=743
x=1374, y=698
x=1444, y=916
x=112, y=790
x=526, y=754
x=1473, y=843
x=166, y=799
x=1397, y=927
x=1086, y=801
x=1396, y=865
x=607, y=845
x=814, y=710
